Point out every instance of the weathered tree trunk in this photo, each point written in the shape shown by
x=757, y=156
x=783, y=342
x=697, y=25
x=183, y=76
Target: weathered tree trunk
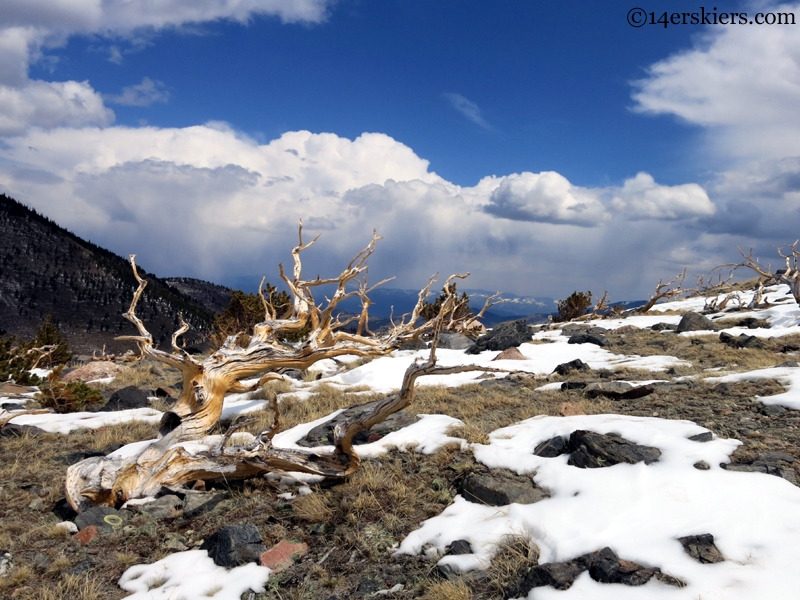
x=165, y=463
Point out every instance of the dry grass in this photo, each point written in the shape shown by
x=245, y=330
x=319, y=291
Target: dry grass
x=514, y=557
x=75, y=587
x=145, y=374
x=124, y=433
x=447, y=590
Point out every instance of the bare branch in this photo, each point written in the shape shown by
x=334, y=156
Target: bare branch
x=666, y=291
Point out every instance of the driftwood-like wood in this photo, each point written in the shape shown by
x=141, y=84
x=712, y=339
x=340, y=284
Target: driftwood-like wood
x=790, y=275
x=665, y=291
x=166, y=463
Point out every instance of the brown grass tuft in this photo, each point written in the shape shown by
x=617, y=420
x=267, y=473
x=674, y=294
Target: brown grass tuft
x=447, y=590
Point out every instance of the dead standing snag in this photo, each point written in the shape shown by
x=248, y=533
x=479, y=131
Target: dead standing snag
x=168, y=463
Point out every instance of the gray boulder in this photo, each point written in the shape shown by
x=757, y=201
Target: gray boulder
x=701, y=548
x=454, y=341
x=597, y=339
x=505, y=335
x=498, y=489
x=692, y=321
x=235, y=545
x=126, y=398
x=590, y=450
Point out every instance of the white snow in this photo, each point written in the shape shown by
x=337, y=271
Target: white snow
x=788, y=376
x=67, y=423
x=191, y=574
x=638, y=510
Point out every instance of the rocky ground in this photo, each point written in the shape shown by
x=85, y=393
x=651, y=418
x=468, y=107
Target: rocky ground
x=338, y=542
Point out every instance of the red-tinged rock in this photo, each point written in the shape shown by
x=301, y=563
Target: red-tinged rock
x=282, y=555
x=374, y=437
x=87, y=534
x=512, y=353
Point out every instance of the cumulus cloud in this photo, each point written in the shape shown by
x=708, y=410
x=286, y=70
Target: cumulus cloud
x=642, y=198
x=547, y=198
x=468, y=109
x=141, y=94
x=207, y=201
x=27, y=27
x=743, y=83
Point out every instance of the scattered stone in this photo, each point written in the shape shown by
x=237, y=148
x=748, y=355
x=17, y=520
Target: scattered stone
x=416, y=344
x=81, y=567
x=604, y=566
x=706, y=436
x=790, y=348
x=664, y=327
x=165, y=507
x=624, y=329
x=99, y=369
x=14, y=430
x=590, y=450
x=753, y=323
x=573, y=365
x=175, y=541
x=742, y=341
x=701, y=465
x=460, y=547
x=570, y=409
x=573, y=385
x=235, y=545
x=772, y=463
x=71, y=458
x=36, y=504
x=64, y=511
x=788, y=364
x=40, y=561
x=454, y=341
x=499, y=490
x=617, y=390
x=86, y=534
x=502, y=336
x=367, y=587
x=282, y=555
x=692, y=321
x=512, y=353
x=322, y=435
x=105, y=518
x=773, y=410
x=196, y=504
x=551, y=448
x=597, y=339
x=125, y=399
x=701, y=548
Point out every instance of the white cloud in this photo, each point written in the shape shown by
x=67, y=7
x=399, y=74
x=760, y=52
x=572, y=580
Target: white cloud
x=207, y=201
x=642, y=198
x=29, y=26
x=46, y=104
x=742, y=82
x=469, y=109
x=546, y=197
x=141, y=94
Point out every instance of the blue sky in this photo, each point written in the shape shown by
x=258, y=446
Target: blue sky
x=543, y=147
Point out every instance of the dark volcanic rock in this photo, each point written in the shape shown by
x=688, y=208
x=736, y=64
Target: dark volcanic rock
x=573, y=365
x=590, y=450
x=553, y=447
x=454, y=341
x=235, y=545
x=499, y=490
x=322, y=435
x=505, y=335
x=573, y=385
x=105, y=518
x=460, y=547
x=14, y=430
x=706, y=436
x=597, y=339
x=742, y=341
x=692, y=321
x=71, y=458
x=126, y=398
x=618, y=390
x=701, y=548
x=772, y=463
x=604, y=566
x=664, y=326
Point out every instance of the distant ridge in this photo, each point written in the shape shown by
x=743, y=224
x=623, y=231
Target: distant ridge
x=48, y=270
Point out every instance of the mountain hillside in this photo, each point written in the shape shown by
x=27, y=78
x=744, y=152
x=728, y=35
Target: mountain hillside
x=47, y=270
